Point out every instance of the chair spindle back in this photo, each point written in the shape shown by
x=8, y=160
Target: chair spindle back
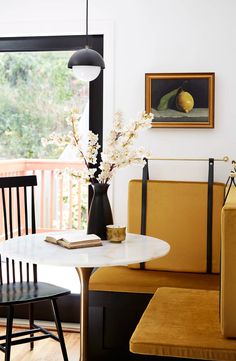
x=19, y=219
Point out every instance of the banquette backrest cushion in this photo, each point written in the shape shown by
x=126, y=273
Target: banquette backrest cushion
x=177, y=213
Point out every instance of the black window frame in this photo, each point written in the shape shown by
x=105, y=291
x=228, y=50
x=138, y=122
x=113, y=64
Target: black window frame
x=70, y=303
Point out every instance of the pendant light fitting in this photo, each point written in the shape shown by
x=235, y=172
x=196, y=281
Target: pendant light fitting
x=86, y=63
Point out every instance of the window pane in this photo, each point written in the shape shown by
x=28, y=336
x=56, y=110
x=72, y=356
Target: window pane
x=37, y=91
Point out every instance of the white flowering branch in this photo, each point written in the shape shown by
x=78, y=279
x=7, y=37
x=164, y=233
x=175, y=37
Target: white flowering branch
x=119, y=150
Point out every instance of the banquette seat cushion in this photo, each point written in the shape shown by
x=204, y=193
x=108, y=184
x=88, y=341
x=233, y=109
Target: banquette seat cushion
x=124, y=279
x=183, y=323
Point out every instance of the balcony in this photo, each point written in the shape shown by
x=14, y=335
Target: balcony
x=61, y=201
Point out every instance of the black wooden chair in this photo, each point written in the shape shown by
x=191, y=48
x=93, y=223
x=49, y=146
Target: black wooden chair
x=18, y=281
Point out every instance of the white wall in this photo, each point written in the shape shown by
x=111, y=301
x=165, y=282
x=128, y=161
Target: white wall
x=151, y=36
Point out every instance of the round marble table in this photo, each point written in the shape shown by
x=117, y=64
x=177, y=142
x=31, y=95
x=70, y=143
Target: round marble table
x=33, y=249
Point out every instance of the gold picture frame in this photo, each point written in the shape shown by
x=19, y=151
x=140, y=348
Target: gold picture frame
x=180, y=100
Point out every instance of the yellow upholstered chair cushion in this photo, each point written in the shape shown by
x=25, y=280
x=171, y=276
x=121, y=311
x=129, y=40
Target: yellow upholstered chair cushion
x=228, y=269
x=123, y=279
x=177, y=213
x=183, y=323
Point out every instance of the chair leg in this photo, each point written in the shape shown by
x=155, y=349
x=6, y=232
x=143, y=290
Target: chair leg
x=10, y=316
x=59, y=329
x=31, y=323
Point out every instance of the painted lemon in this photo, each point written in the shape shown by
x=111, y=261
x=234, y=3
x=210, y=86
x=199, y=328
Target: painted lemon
x=184, y=101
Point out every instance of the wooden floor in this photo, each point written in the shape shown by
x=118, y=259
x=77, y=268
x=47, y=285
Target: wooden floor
x=46, y=350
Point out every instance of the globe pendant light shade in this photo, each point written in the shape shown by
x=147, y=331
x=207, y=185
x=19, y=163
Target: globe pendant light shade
x=85, y=72
x=86, y=64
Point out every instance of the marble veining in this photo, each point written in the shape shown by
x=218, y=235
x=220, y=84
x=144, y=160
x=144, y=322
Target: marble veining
x=33, y=248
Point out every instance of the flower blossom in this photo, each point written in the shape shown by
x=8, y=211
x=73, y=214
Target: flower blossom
x=119, y=150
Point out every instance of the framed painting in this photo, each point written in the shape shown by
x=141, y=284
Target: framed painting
x=180, y=100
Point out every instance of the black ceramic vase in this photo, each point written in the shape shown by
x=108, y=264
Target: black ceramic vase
x=100, y=214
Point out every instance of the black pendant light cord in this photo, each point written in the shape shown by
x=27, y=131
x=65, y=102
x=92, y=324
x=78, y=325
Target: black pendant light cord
x=87, y=23
x=86, y=57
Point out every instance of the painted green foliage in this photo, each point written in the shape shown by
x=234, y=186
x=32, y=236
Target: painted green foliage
x=168, y=100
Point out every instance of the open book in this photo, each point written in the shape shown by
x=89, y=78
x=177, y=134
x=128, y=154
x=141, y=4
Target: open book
x=73, y=241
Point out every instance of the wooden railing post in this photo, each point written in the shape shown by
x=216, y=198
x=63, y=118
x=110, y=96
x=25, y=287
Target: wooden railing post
x=52, y=192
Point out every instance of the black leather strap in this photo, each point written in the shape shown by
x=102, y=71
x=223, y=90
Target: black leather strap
x=209, y=214
x=145, y=178
x=229, y=183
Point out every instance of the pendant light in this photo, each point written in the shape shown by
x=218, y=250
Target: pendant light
x=86, y=63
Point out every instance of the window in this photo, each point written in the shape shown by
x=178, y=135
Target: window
x=36, y=91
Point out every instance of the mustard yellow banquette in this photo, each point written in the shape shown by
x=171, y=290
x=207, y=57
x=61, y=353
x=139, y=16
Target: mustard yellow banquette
x=177, y=212
x=187, y=323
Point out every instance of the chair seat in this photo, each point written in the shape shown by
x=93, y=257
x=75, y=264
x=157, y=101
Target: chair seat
x=29, y=292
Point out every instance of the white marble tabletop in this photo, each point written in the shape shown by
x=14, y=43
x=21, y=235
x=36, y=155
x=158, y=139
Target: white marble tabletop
x=33, y=248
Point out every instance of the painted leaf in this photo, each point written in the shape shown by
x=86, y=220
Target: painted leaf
x=167, y=100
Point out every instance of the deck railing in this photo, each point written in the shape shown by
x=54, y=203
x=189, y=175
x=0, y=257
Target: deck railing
x=61, y=200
